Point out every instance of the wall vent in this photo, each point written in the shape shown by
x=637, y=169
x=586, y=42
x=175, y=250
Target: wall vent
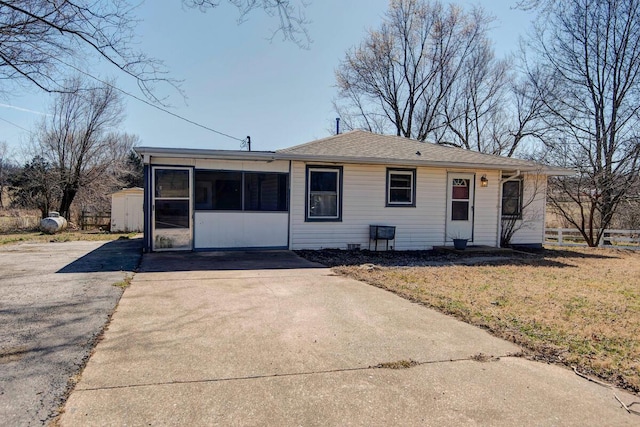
x=353, y=246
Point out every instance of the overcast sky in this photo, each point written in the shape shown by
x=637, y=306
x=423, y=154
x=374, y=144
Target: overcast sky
x=237, y=81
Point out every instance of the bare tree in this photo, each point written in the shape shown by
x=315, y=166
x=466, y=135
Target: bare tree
x=80, y=141
x=590, y=51
x=399, y=77
x=34, y=186
x=41, y=39
x=430, y=72
x=4, y=170
x=292, y=22
x=474, y=107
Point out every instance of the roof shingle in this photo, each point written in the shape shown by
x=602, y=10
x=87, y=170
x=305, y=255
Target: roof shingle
x=362, y=146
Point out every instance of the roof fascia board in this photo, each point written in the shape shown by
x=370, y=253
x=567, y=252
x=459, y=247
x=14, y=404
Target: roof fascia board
x=206, y=154
x=546, y=170
x=147, y=152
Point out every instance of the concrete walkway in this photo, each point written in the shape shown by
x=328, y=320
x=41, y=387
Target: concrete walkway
x=270, y=339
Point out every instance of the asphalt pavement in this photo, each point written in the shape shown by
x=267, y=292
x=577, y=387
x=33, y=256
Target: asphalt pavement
x=55, y=299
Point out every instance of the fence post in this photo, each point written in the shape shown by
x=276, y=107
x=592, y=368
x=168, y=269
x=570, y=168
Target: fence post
x=560, y=236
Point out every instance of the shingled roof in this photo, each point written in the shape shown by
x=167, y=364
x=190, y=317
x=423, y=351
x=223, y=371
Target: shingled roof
x=368, y=148
x=365, y=147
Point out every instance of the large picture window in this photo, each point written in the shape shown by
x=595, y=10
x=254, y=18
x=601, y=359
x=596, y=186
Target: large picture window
x=401, y=187
x=241, y=191
x=324, y=193
x=512, y=198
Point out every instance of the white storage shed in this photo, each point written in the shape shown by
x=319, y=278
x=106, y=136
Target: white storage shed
x=127, y=210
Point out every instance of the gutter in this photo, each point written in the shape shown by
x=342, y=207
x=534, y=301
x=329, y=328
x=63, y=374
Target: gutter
x=147, y=152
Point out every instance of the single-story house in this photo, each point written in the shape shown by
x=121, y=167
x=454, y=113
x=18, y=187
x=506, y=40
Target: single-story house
x=327, y=193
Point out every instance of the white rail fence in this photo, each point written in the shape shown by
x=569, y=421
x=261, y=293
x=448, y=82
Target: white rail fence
x=610, y=238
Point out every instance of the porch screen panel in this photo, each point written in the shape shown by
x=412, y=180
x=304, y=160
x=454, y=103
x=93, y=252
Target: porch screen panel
x=265, y=192
x=218, y=190
x=171, y=223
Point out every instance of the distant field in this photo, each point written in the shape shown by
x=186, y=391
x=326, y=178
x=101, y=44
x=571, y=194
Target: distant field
x=18, y=222
x=578, y=307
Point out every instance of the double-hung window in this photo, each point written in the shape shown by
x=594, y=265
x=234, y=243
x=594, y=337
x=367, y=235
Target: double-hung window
x=324, y=198
x=512, y=198
x=401, y=187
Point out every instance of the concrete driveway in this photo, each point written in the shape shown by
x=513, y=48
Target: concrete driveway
x=55, y=299
x=270, y=339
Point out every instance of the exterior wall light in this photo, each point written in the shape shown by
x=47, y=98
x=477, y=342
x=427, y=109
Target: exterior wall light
x=484, y=182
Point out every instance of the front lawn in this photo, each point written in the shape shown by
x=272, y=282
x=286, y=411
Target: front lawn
x=577, y=307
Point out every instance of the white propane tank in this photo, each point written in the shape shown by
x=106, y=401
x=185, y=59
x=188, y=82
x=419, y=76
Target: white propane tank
x=53, y=223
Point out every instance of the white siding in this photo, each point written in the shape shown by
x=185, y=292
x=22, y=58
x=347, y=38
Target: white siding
x=363, y=204
x=486, y=208
x=240, y=230
x=127, y=213
x=240, y=165
x=249, y=166
x=532, y=230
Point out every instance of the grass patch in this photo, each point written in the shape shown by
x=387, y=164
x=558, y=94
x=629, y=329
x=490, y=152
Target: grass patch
x=65, y=236
x=578, y=307
x=125, y=283
x=400, y=364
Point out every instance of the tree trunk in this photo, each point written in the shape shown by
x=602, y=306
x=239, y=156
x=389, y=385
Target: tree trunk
x=68, y=195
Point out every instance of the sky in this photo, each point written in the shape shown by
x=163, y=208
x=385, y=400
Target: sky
x=238, y=81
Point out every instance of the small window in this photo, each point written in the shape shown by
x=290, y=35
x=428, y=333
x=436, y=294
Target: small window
x=323, y=193
x=401, y=187
x=512, y=199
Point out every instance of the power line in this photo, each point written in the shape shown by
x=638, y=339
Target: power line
x=16, y=125
x=144, y=101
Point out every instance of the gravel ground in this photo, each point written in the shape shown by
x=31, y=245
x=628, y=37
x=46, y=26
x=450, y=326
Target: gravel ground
x=55, y=300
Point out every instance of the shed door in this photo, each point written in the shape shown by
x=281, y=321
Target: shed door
x=172, y=209
x=460, y=201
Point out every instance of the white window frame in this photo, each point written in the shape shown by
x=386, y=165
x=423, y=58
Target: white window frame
x=411, y=173
x=338, y=172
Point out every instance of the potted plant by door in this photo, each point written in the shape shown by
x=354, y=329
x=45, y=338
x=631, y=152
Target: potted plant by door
x=459, y=242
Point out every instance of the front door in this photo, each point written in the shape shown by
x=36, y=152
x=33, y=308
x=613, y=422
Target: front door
x=460, y=203
x=172, y=209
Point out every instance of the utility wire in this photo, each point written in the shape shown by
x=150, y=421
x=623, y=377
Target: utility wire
x=144, y=101
x=16, y=125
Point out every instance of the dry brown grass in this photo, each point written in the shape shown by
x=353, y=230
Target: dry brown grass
x=578, y=307
x=65, y=236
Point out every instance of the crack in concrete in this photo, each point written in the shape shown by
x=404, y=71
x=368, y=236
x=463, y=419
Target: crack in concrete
x=387, y=365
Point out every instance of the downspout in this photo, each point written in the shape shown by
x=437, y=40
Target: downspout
x=147, y=203
x=289, y=209
x=517, y=176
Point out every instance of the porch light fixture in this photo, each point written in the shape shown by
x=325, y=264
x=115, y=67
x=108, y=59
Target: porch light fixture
x=484, y=182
